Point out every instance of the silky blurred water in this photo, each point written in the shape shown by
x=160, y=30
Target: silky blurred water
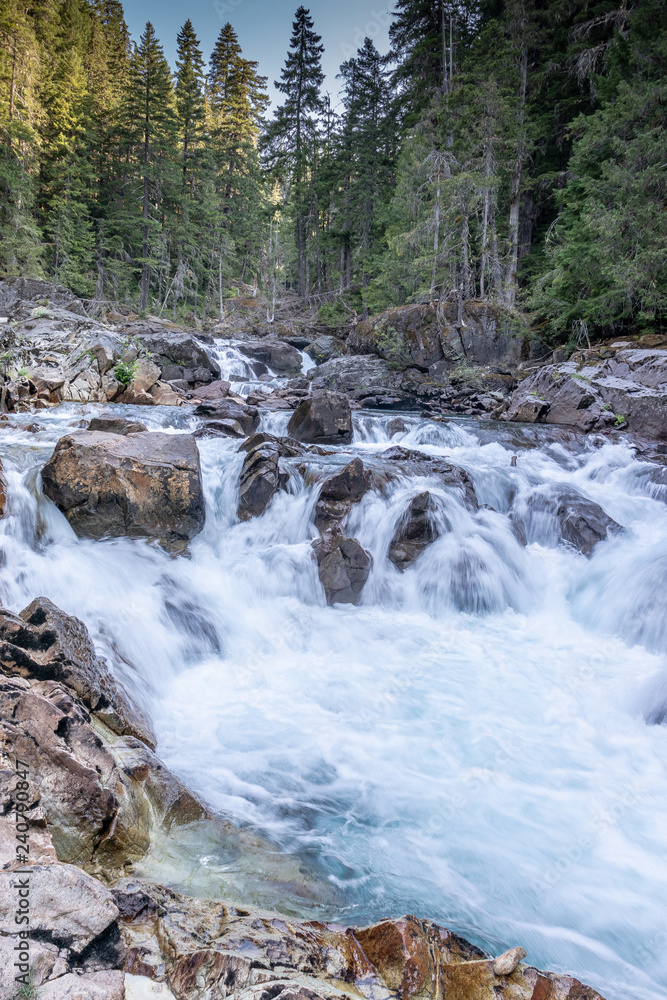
x=470, y=743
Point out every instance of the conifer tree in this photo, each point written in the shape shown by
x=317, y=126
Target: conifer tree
x=20, y=115
x=237, y=100
x=148, y=134
x=290, y=141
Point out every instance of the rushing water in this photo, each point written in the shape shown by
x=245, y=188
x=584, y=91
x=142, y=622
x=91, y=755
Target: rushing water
x=470, y=743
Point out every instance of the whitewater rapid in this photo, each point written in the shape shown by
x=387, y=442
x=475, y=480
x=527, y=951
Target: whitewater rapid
x=468, y=744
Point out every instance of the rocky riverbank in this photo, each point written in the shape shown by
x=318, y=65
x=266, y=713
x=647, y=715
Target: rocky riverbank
x=79, y=775
x=417, y=357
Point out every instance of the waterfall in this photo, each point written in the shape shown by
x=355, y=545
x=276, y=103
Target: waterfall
x=472, y=742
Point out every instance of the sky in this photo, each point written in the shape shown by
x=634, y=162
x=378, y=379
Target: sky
x=264, y=28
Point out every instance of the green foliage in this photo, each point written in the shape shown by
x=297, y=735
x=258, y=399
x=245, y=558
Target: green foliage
x=125, y=371
x=333, y=314
x=620, y=420
x=509, y=152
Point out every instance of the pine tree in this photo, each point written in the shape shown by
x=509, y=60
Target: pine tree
x=365, y=157
x=20, y=115
x=148, y=135
x=237, y=100
x=191, y=121
x=290, y=141
x=605, y=253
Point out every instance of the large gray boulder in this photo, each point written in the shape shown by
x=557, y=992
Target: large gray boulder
x=145, y=485
x=423, y=334
x=280, y=357
x=415, y=463
x=416, y=530
x=261, y=478
x=340, y=492
x=228, y=417
x=554, y=513
x=323, y=418
x=343, y=567
x=628, y=390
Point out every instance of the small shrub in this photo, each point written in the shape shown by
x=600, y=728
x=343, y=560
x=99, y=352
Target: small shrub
x=333, y=314
x=125, y=371
x=390, y=345
x=620, y=420
x=41, y=312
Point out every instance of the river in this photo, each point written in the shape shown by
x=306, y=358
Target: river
x=473, y=743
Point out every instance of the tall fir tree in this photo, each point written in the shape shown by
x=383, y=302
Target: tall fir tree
x=237, y=100
x=148, y=133
x=290, y=141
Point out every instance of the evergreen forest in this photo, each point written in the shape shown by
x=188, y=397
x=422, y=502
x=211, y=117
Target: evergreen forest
x=505, y=150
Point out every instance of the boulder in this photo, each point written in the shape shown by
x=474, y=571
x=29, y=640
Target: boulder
x=90, y=807
x=261, y=478
x=626, y=391
x=229, y=417
x=213, y=391
x=396, y=426
x=280, y=357
x=416, y=463
x=368, y=380
x=172, y=348
x=116, y=425
x=549, y=514
x=415, y=531
x=137, y=392
x=323, y=418
x=45, y=643
x=422, y=335
x=343, y=567
x=73, y=925
x=145, y=485
x=325, y=348
x=340, y=492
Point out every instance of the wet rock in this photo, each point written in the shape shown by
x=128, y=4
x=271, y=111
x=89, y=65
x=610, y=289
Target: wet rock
x=90, y=808
x=530, y=411
x=508, y=962
x=44, y=643
x=3, y=493
x=116, y=425
x=416, y=463
x=415, y=532
x=548, y=514
x=368, y=380
x=343, y=567
x=261, y=478
x=280, y=357
x=145, y=485
x=211, y=392
x=396, y=426
x=340, y=492
x=228, y=417
x=323, y=418
x=201, y=948
x=325, y=348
